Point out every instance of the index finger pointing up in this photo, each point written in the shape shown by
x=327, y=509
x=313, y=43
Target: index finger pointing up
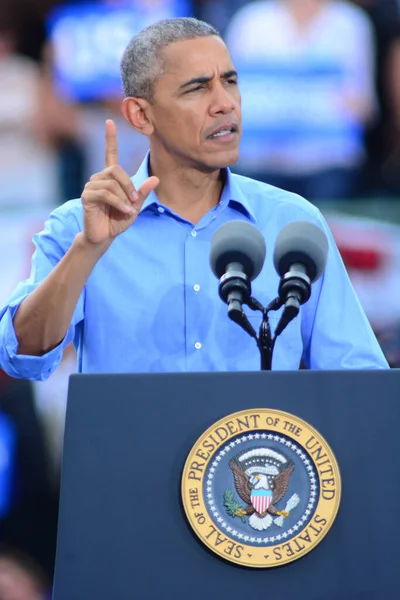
x=111, y=153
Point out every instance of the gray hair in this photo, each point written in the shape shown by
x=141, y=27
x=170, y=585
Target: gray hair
x=141, y=63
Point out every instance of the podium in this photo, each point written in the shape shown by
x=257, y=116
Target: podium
x=123, y=534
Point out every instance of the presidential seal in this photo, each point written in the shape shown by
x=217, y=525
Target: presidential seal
x=261, y=488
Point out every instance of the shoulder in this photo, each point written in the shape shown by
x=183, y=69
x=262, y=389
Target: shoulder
x=64, y=222
x=60, y=229
x=70, y=211
x=348, y=14
x=267, y=201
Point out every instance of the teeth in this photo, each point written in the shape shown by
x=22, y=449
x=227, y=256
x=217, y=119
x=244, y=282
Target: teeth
x=220, y=133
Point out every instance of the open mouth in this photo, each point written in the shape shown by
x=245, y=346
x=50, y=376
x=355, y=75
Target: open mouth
x=223, y=132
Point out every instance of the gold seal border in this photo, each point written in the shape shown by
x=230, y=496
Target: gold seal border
x=218, y=541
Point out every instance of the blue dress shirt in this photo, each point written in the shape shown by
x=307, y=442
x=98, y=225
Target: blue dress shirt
x=151, y=303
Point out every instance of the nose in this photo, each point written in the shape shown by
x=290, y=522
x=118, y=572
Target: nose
x=222, y=100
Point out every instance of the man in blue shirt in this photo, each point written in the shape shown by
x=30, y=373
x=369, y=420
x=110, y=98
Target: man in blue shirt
x=124, y=272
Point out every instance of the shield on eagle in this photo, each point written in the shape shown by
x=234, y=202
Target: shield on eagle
x=261, y=499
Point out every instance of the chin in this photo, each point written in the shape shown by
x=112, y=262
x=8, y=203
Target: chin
x=223, y=159
x=232, y=158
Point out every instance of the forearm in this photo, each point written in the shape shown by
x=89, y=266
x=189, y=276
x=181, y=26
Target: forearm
x=43, y=318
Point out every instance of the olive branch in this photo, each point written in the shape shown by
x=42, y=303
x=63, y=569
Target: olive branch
x=233, y=507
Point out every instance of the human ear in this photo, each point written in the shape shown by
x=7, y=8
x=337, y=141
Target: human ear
x=136, y=112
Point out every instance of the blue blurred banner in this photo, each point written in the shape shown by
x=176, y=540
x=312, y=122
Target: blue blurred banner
x=295, y=110
x=7, y=460
x=88, y=41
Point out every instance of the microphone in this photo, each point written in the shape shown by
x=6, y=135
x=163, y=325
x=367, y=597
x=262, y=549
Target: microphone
x=237, y=256
x=299, y=258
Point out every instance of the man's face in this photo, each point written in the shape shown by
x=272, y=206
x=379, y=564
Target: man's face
x=196, y=111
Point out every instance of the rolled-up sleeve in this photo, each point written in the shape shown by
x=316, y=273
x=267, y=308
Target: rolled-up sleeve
x=336, y=331
x=50, y=246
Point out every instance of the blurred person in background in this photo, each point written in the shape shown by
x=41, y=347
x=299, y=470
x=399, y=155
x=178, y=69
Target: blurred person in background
x=307, y=78
x=28, y=164
x=28, y=497
x=21, y=578
x=80, y=125
x=381, y=175
x=79, y=60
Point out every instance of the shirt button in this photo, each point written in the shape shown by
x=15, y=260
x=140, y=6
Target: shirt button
x=196, y=287
x=193, y=233
x=160, y=209
x=197, y=345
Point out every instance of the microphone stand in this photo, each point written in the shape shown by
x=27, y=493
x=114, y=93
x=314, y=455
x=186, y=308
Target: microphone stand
x=235, y=290
x=265, y=340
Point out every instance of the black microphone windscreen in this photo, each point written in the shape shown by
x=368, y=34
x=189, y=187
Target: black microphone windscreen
x=301, y=242
x=241, y=242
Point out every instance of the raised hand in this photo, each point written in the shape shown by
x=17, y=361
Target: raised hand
x=110, y=201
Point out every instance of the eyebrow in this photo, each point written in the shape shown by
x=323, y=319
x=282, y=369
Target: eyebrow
x=205, y=79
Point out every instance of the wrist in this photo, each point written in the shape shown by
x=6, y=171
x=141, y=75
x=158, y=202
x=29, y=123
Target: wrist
x=89, y=248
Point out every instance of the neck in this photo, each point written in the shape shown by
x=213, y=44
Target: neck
x=184, y=189
x=304, y=11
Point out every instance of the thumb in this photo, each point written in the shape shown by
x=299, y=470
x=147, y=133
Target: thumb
x=147, y=187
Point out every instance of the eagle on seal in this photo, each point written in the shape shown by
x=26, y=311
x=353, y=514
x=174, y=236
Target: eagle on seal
x=261, y=478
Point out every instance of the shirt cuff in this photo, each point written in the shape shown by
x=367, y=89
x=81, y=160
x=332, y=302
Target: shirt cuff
x=36, y=368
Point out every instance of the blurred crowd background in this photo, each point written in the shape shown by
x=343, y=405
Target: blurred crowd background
x=320, y=82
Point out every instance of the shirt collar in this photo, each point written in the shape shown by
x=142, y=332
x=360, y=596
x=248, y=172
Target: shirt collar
x=140, y=177
x=231, y=194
